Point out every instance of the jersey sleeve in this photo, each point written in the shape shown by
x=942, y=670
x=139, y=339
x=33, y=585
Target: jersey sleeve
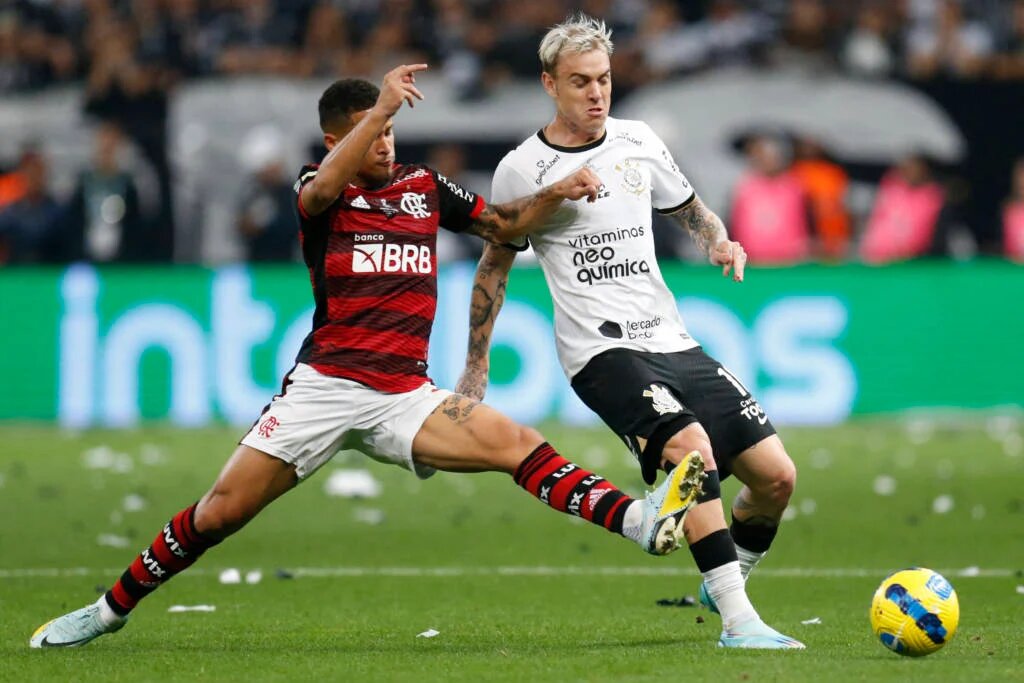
x=458, y=206
x=507, y=185
x=670, y=190
x=306, y=175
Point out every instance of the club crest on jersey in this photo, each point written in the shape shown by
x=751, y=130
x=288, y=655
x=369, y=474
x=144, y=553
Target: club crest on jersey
x=662, y=400
x=415, y=204
x=632, y=179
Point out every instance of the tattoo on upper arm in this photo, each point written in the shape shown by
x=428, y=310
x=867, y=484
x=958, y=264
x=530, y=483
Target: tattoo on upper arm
x=704, y=226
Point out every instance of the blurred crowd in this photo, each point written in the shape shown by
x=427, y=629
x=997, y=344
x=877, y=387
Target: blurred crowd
x=143, y=44
x=791, y=205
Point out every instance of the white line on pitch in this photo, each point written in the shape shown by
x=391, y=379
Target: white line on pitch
x=416, y=572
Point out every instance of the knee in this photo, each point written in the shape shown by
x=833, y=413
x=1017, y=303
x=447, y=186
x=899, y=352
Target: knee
x=778, y=487
x=511, y=443
x=220, y=514
x=687, y=440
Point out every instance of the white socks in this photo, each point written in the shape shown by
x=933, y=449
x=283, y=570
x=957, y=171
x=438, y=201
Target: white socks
x=633, y=521
x=108, y=616
x=748, y=560
x=725, y=585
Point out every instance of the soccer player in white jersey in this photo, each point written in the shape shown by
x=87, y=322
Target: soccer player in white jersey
x=620, y=338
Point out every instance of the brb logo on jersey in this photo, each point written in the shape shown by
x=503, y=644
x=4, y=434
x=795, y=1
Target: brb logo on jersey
x=370, y=254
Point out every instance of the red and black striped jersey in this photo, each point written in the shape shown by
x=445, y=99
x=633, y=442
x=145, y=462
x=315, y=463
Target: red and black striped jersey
x=373, y=266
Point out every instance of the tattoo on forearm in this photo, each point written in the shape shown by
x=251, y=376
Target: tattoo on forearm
x=497, y=218
x=704, y=226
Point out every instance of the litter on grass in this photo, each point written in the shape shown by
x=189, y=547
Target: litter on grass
x=192, y=608
x=230, y=576
x=113, y=540
x=429, y=633
x=352, y=484
x=812, y=620
x=253, y=576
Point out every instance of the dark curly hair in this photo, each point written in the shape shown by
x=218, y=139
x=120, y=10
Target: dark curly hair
x=344, y=98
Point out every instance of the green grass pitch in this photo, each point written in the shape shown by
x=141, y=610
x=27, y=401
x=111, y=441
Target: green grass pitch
x=516, y=591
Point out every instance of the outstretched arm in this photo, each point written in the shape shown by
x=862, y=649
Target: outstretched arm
x=342, y=163
x=709, y=234
x=488, y=296
x=503, y=223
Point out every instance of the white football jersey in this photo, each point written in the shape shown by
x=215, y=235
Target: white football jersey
x=598, y=258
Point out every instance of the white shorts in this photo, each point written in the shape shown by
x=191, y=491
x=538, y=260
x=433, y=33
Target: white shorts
x=319, y=415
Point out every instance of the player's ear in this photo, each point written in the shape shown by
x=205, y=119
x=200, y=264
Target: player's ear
x=330, y=141
x=548, y=81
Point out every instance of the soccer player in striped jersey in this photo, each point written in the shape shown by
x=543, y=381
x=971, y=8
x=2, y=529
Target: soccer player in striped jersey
x=368, y=228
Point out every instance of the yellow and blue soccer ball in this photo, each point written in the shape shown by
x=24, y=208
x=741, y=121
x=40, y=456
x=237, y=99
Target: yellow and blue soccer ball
x=915, y=612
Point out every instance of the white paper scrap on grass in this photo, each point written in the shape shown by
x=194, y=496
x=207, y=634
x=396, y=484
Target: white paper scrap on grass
x=192, y=608
x=429, y=633
x=812, y=620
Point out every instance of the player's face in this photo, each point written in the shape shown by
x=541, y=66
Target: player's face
x=582, y=90
x=376, y=167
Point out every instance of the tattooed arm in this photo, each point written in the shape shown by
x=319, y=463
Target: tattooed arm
x=485, y=303
x=709, y=234
x=503, y=223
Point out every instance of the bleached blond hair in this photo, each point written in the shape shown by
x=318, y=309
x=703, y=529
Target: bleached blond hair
x=577, y=34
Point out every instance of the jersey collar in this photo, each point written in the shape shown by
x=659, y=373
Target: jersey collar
x=582, y=148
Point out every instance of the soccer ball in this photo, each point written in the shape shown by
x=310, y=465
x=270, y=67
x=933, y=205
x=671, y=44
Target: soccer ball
x=915, y=612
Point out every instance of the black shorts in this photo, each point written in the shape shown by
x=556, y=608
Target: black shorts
x=654, y=395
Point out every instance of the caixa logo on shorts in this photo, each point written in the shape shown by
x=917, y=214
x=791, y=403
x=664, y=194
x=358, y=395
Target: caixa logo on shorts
x=372, y=256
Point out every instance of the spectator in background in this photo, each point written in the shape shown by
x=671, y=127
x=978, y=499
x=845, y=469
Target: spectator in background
x=824, y=183
x=259, y=40
x=134, y=94
x=769, y=207
x=949, y=46
x=1013, y=215
x=1009, y=63
x=104, y=220
x=30, y=225
x=868, y=48
x=266, y=217
x=905, y=220
x=807, y=38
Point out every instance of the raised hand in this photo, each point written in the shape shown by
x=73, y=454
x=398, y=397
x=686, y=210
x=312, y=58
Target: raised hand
x=399, y=85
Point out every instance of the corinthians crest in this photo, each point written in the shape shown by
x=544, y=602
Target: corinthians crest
x=632, y=179
x=662, y=400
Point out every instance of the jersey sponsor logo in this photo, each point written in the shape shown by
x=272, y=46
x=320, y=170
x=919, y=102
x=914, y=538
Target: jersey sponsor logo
x=360, y=202
x=391, y=258
x=415, y=204
x=752, y=410
x=597, y=239
x=629, y=138
x=596, y=265
x=544, y=166
x=267, y=426
x=457, y=190
x=632, y=178
x=643, y=329
x=662, y=400
x=418, y=173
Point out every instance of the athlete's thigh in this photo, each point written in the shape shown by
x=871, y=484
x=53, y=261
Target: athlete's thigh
x=251, y=479
x=728, y=411
x=462, y=435
x=635, y=393
x=765, y=461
